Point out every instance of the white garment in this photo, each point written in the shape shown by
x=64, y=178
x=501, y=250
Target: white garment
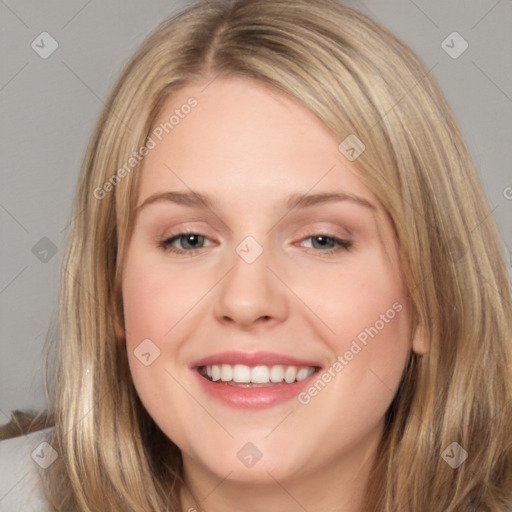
x=23, y=461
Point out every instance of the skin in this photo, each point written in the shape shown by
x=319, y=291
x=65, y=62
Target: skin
x=249, y=148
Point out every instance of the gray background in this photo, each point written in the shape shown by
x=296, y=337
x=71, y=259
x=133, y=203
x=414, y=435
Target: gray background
x=49, y=106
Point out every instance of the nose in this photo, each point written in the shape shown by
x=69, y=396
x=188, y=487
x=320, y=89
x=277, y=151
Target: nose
x=251, y=294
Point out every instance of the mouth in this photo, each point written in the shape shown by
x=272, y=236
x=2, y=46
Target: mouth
x=254, y=380
x=244, y=376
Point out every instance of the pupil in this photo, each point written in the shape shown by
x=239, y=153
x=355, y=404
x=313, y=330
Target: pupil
x=322, y=239
x=190, y=239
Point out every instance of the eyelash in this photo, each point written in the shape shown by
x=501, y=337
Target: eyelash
x=341, y=244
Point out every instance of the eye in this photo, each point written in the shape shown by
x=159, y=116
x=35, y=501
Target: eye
x=192, y=242
x=333, y=243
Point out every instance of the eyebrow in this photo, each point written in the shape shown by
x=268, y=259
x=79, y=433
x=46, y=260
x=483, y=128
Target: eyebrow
x=298, y=200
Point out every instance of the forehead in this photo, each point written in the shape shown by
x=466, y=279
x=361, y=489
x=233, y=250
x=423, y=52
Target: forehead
x=242, y=137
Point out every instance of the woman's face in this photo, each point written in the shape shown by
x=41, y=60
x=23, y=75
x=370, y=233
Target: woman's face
x=261, y=290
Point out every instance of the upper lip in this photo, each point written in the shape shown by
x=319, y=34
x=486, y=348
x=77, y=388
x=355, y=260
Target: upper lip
x=252, y=359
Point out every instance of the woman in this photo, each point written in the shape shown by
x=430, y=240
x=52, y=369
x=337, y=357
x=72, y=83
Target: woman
x=340, y=339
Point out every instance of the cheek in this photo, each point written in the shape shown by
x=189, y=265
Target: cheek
x=155, y=299
x=365, y=321
x=363, y=300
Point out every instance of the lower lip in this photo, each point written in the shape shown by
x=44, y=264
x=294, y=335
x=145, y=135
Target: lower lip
x=253, y=397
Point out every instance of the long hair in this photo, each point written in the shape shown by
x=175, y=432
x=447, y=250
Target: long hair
x=361, y=81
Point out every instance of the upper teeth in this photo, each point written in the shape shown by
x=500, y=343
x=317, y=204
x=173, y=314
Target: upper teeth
x=258, y=374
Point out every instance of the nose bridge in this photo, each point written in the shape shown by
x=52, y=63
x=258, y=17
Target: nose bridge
x=251, y=236
x=249, y=276
x=250, y=290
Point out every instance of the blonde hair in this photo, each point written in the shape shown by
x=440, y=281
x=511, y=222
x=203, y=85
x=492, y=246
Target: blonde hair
x=359, y=79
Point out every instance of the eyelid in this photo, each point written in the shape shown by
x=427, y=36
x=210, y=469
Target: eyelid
x=320, y=228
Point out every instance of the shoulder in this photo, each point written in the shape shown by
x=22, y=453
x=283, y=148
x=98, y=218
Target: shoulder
x=22, y=463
